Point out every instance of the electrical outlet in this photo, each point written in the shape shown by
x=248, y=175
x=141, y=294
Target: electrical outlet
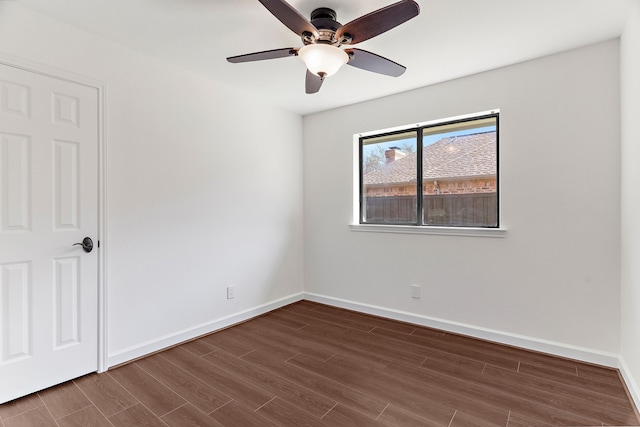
x=415, y=291
x=231, y=292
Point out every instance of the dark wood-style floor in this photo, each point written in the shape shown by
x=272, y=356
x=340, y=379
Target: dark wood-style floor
x=309, y=364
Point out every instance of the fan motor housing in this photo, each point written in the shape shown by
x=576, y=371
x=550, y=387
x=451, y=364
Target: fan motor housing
x=324, y=19
x=324, y=13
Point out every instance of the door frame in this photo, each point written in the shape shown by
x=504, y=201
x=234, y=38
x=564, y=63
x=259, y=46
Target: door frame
x=59, y=74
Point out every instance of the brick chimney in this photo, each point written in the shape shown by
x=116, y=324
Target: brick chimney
x=393, y=154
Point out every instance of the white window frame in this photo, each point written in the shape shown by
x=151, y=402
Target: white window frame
x=500, y=231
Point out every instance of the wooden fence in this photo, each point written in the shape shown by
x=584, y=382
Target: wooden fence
x=465, y=210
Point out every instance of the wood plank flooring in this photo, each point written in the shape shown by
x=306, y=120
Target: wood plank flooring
x=309, y=364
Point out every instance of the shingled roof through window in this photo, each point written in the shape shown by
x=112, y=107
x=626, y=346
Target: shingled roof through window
x=468, y=156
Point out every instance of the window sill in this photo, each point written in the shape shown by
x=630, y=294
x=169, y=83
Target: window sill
x=443, y=231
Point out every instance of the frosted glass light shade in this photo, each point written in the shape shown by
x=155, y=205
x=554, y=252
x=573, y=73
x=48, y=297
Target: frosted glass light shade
x=323, y=59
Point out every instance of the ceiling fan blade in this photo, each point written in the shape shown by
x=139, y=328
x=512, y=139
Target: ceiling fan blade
x=379, y=21
x=313, y=82
x=290, y=17
x=371, y=62
x=267, y=54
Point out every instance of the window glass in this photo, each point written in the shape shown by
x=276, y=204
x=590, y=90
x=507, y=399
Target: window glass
x=443, y=174
x=390, y=180
x=459, y=174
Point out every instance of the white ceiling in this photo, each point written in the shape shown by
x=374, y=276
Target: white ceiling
x=449, y=39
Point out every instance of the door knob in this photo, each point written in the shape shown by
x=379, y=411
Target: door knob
x=87, y=244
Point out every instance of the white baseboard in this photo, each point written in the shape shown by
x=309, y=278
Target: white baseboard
x=143, y=349
x=544, y=346
x=632, y=385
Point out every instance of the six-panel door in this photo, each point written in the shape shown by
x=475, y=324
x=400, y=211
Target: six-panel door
x=48, y=202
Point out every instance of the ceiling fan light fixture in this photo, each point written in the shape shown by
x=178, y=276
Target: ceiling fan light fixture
x=323, y=59
x=322, y=37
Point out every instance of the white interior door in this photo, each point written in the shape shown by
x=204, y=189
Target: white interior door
x=48, y=202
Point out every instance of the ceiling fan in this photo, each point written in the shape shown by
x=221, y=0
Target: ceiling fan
x=322, y=37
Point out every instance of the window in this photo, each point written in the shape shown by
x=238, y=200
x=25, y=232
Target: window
x=452, y=164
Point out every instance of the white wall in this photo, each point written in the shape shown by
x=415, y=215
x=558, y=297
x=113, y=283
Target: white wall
x=630, y=93
x=203, y=188
x=555, y=277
